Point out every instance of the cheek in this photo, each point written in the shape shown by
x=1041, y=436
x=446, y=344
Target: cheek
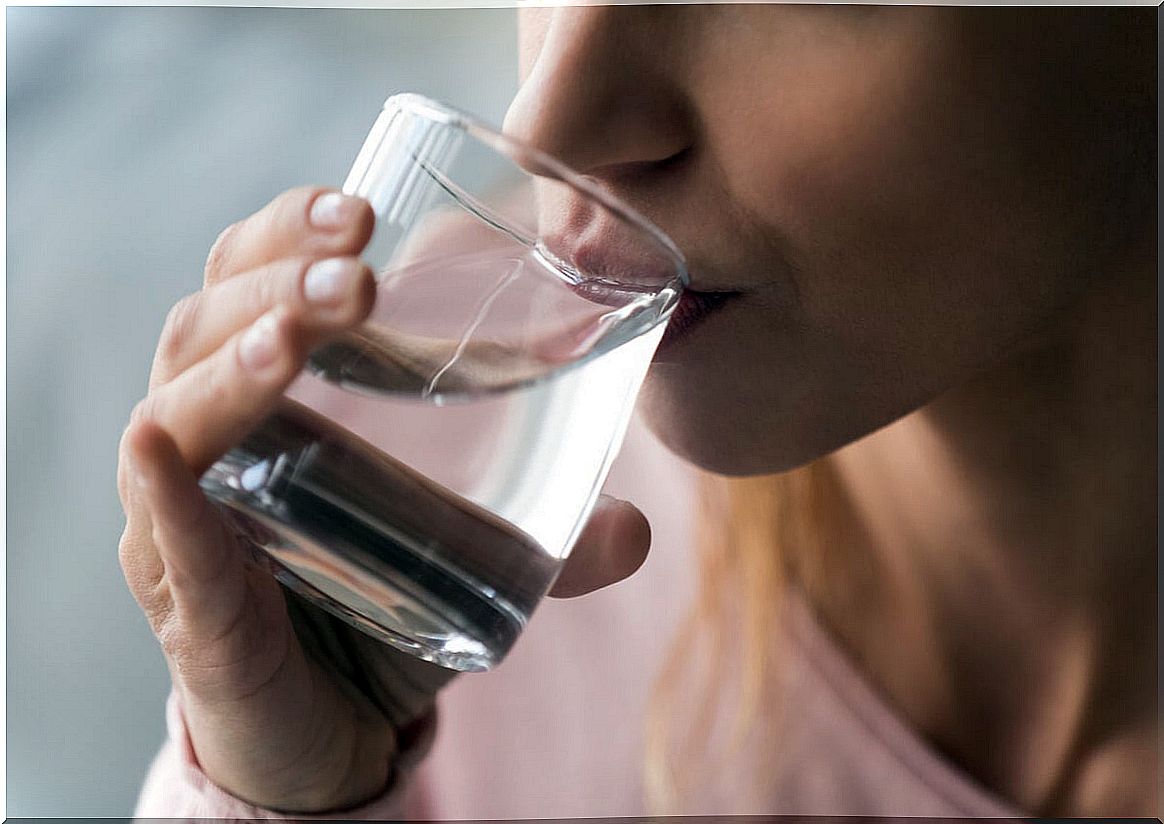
x=915, y=226
x=840, y=149
x=920, y=246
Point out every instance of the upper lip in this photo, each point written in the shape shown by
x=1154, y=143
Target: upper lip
x=598, y=259
x=593, y=257
x=598, y=243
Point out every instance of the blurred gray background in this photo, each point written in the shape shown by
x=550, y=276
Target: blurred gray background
x=134, y=136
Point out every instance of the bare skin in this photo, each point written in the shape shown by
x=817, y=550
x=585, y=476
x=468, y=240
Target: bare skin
x=937, y=227
x=940, y=226
x=1012, y=611
x=286, y=707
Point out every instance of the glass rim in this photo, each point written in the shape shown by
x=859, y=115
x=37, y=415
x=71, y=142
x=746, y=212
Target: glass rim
x=497, y=140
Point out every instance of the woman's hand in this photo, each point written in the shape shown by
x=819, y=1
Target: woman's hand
x=287, y=707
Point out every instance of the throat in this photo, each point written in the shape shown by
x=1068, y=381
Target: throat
x=990, y=562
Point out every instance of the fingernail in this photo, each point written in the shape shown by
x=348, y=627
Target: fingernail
x=330, y=281
x=333, y=210
x=259, y=345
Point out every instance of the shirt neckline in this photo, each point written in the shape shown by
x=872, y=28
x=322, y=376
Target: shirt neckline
x=852, y=689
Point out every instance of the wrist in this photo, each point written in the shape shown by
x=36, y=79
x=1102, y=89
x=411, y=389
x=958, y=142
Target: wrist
x=367, y=782
x=376, y=780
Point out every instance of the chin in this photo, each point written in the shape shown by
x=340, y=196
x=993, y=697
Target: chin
x=707, y=425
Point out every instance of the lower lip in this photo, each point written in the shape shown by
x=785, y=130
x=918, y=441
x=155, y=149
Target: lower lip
x=692, y=309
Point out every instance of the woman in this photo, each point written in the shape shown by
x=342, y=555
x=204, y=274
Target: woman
x=922, y=334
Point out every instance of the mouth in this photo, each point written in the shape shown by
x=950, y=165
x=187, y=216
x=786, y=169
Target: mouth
x=693, y=308
x=616, y=278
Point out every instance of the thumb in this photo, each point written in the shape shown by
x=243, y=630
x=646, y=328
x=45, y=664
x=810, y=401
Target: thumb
x=612, y=546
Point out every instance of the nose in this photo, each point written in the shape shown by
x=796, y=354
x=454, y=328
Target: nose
x=604, y=92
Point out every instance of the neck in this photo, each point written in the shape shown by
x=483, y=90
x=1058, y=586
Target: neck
x=1007, y=599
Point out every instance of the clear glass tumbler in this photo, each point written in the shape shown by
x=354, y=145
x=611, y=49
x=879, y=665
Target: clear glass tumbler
x=427, y=475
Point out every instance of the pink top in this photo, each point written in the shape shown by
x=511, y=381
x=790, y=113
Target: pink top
x=556, y=731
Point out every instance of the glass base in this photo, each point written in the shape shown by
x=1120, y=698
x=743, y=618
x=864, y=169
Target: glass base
x=396, y=612
x=449, y=649
x=377, y=544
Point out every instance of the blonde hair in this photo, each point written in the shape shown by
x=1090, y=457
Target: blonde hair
x=754, y=535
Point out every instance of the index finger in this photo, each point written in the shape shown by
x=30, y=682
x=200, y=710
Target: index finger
x=309, y=221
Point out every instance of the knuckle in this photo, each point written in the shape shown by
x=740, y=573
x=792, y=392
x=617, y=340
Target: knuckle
x=220, y=253
x=123, y=450
x=142, y=578
x=129, y=552
x=181, y=322
x=123, y=480
x=141, y=414
x=126, y=545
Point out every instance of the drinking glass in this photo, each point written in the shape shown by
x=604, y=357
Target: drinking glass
x=427, y=475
